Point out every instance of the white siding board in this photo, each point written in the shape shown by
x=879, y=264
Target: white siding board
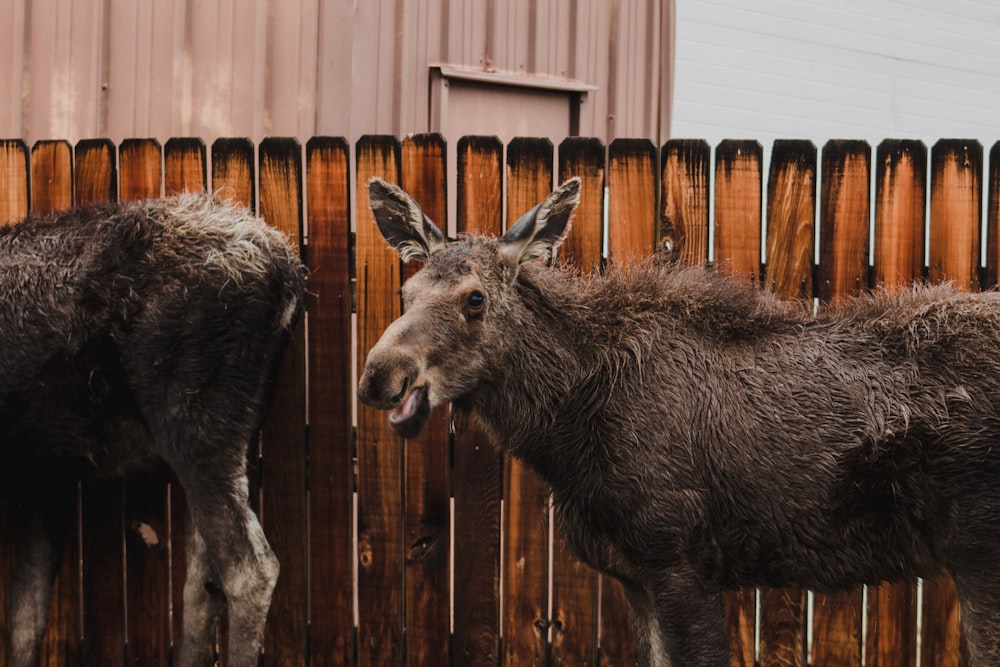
x=860, y=69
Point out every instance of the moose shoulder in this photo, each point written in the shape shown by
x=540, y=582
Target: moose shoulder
x=700, y=435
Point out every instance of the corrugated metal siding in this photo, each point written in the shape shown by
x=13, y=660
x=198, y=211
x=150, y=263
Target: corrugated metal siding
x=160, y=68
x=862, y=69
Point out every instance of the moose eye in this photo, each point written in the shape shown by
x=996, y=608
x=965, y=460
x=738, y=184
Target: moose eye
x=475, y=302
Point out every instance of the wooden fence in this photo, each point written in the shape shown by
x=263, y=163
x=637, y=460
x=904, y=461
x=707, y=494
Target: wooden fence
x=440, y=551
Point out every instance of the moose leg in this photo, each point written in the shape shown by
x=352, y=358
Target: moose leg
x=693, y=621
x=39, y=530
x=235, y=547
x=203, y=602
x=649, y=641
x=979, y=604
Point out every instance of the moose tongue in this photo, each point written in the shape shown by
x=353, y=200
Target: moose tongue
x=407, y=408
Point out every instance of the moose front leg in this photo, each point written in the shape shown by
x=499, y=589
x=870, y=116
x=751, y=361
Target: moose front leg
x=679, y=620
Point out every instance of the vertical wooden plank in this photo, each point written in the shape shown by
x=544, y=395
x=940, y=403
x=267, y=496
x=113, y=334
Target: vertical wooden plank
x=956, y=191
x=584, y=157
x=843, y=271
x=993, y=219
x=683, y=229
x=96, y=180
x=632, y=213
x=331, y=465
x=147, y=600
x=476, y=469
x=283, y=435
x=185, y=166
x=844, y=219
x=234, y=177
x=52, y=190
x=14, y=197
x=380, y=457
x=575, y=587
x=427, y=503
x=632, y=190
x=526, y=498
x=738, y=197
x=900, y=191
x=791, y=212
x=185, y=170
x=954, y=231
x=233, y=172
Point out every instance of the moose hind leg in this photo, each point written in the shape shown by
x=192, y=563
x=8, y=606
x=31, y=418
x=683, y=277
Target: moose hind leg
x=203, y=602
x=979, y=606
x=237, y=551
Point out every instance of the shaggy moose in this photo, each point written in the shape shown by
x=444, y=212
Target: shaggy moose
x=699, y=435
x=132, y=333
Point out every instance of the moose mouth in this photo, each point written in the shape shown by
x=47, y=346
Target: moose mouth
x=409, y=418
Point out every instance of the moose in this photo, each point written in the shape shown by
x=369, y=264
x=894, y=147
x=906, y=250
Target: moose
x=700, y=435
x=136, y=334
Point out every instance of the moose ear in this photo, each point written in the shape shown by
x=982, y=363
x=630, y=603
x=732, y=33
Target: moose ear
x=402, y=222
x=539, y=232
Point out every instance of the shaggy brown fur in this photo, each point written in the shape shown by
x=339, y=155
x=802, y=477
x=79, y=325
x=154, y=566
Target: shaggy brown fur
x=700, y=435
x=135, y=333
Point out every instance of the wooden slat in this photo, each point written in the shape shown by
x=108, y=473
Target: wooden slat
x=283, y=435
x=683, y=228
x=632, y=213
x=476, y=470
x=844, y=219
x=96, y=180
x=956, y=191
x=51, y=190
x=331, y=465
x=738, y=197
x=575, y=586
x=584, y=157
x=428, y=513
x=632, y=192
x=791, y=212
x=843, y=271
x=185, y=166
x=14, y=197
x=233, y=173
x=791, y=209
x=993, y=220
x=147, y=600
x=526, y=498
x=900, y=190
x=380, y=457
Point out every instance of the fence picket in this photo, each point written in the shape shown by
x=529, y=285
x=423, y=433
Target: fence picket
x=956, y=182
x=147, y=574
x=476, y=470
x=52, y=189
x=331, y=465
x=632, y=193
x=380, y=456
x=993, y=220
x=526, y=499
x=427, y=511
x=96, y=180
x=683, y=228
x=185, y=166
x=738, y=197
x=283, y=435
x=843, y=271
x=575, y=586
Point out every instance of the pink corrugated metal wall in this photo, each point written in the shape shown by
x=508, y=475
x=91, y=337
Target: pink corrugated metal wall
x=75, y=69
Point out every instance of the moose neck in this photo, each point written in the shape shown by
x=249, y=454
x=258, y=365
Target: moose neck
x=547, y=379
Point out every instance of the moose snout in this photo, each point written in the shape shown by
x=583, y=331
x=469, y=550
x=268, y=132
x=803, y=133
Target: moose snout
x=384, y=383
